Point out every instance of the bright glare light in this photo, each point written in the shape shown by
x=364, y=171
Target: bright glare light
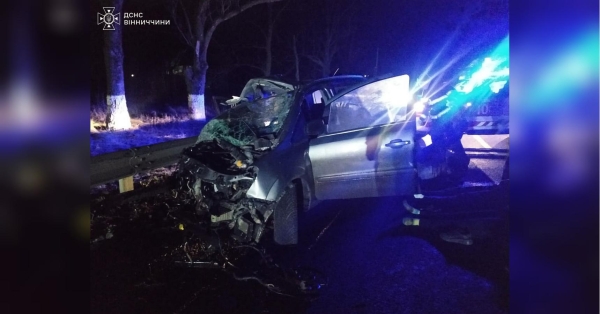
x=435, y=101
x=483, y=77
x=493, y=72
x=468, y=104
x=487, y=71
x=419, y=106
x=132, y=75
x=497, y=86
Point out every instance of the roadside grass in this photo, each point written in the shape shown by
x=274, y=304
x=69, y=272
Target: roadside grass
x=147, y=129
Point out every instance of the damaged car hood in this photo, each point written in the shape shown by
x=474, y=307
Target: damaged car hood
x=249, y=121
x=233, y=140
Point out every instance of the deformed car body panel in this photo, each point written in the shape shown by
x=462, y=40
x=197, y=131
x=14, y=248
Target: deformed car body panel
x=283, y=165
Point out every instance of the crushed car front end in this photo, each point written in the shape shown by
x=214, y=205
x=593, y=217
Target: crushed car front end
x=221, y=173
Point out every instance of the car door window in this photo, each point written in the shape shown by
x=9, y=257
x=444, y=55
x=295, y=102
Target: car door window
x=319, y=104
x=314, y=104
x=376, y=103
x=318, y=97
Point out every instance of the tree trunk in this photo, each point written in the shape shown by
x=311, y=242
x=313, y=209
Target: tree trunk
x=117, y=115
x=206, y=21
x=269, y=41
x=196, y=81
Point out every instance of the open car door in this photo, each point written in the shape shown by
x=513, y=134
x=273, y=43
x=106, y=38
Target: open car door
x=367, y=149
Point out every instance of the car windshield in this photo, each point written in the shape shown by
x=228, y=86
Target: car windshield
x=264, y=88
x=250, y=120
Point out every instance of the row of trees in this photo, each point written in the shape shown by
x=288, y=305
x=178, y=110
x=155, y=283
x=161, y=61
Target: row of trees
x=206, y=17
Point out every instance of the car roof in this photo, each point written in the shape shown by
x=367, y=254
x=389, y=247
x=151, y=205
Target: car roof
x=335, y=78
x=332, y=79
x=304, y=83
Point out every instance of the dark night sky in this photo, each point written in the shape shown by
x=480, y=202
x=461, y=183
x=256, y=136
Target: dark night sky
x=408, y=34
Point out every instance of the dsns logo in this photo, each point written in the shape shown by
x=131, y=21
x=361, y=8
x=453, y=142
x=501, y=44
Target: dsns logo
x=109, y=18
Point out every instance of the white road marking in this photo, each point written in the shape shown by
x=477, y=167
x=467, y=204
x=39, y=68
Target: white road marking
x=483, y=143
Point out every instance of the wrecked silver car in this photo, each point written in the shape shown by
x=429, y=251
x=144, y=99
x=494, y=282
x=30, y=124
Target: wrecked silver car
x=283, y=146
x=248, y=169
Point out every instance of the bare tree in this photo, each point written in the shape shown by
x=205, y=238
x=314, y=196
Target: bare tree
x=268, y=65
x=267, y=27
x=197, y=34
x=117, y=116
x=268, y=34
x=324, y=51
x=328, y=39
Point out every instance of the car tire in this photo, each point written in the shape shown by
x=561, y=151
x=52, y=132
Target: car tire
x=285, y=216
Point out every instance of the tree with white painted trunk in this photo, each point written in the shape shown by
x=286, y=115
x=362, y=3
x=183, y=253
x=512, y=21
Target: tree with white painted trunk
x=197, y=33
x=117, y=115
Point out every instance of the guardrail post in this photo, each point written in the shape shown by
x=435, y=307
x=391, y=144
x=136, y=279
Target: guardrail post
x=126, y=184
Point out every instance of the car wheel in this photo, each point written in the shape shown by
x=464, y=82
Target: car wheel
x=285, y=217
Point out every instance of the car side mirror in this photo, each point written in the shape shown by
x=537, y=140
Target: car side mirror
x=314, y=128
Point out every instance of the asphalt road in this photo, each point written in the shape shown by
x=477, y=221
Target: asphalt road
x=373, y=262
x=490, y=164
x=499, y=141
x=377, y=265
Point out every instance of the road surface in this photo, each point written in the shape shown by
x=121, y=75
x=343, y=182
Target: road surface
x=491, y=164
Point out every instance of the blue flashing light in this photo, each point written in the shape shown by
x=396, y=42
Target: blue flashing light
x=494, y=69
x=483, y=78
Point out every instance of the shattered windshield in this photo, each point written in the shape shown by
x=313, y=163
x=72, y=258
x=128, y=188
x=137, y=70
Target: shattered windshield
x=249, y=120
x=264, y=88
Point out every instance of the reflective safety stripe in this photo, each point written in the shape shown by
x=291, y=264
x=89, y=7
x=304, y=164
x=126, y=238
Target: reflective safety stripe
x=488, y=122
x=489, y=118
